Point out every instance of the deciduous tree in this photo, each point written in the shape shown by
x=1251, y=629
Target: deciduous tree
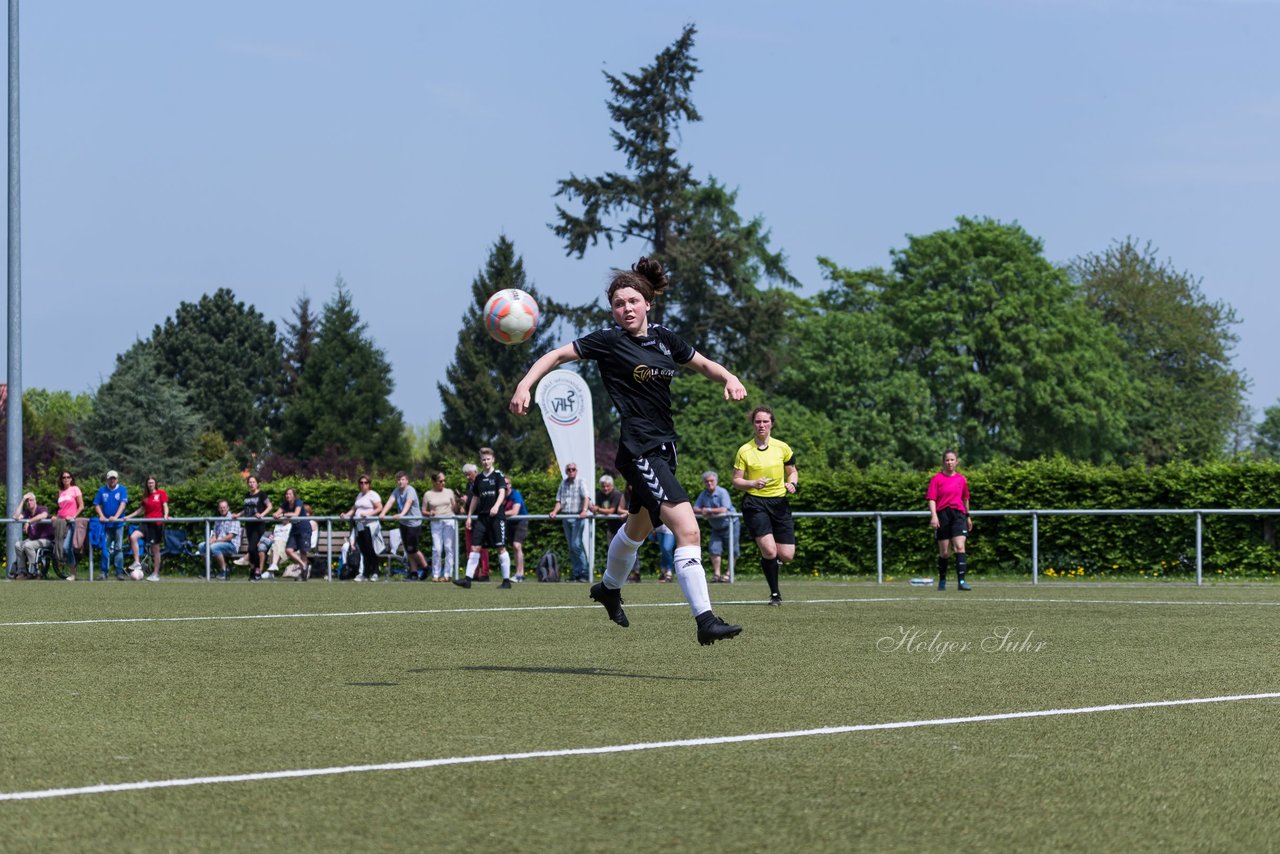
x=1177, y=346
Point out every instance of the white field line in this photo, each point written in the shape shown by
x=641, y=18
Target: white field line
x=111, y=788
x=305, y=615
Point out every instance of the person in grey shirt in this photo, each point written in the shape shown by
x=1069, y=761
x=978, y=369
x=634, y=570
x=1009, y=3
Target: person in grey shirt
x=405, y=499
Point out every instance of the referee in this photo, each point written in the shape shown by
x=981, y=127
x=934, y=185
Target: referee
x=765, y=468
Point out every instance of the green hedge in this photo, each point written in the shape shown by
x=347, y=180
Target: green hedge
x=1081, y=546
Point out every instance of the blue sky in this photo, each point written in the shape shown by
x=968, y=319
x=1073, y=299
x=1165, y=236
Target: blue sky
x=170, y=149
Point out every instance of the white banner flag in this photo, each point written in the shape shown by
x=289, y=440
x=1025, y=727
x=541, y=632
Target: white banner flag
x=565, y=402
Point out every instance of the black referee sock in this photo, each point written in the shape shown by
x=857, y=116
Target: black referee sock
x=770, y=566
x=960, y=566
x=942, y=569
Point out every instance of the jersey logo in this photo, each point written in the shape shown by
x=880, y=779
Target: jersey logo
x=644, y=373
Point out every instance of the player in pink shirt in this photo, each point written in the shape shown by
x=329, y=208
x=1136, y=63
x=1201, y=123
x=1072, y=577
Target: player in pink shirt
x=948, y=497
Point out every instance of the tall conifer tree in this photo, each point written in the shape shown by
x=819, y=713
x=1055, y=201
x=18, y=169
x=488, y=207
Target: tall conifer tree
x=483, y=376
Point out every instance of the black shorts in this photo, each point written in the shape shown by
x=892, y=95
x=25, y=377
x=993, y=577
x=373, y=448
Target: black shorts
x=153, y=532
x=652, y=478
x=952, y=523
x=763, y=516
x=488, y=532
x=409, y=535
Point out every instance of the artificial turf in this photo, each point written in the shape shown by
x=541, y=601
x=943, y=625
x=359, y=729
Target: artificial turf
x=188, y=679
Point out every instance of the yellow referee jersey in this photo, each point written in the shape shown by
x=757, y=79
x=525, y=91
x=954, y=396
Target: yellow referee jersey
x=771, y=463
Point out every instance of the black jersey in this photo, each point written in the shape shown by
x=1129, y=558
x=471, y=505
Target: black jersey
x=487, y=487
x=637, y=373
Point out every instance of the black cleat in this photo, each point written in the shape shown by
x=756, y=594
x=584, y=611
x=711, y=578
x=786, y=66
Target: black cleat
x=942, y=584
x=774, y=599
x=963, y=585
x=711, y=629
x=463, y=581
x=612, y=601
x=505, y=585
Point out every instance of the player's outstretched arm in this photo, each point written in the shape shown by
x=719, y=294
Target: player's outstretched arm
x=733, y=387
x=546, y=363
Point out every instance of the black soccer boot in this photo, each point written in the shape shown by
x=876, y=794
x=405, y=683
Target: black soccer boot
x=612, y=601
x=711, y=629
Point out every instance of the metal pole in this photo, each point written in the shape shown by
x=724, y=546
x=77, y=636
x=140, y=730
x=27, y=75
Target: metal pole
x=1035, y=548
x=1199, y=548
x=879, y=549
x=13, y=470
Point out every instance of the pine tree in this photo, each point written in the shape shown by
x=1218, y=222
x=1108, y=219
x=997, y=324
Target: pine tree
x=715, y=261
x=483, y=376
x=299, y=334
x=342, y=409
x=142, y=422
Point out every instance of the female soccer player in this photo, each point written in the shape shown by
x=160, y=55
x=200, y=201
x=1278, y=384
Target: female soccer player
x=766, y=469
x=948, y=497
x=637, y=361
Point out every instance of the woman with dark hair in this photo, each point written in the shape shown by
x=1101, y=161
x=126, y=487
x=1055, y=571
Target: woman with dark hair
x=637, y=361
x=298, y=545
x=70, y=506
x=766, y=468
x=257, y=504
x=948, y=498
x=155, y=505
x=365, y=510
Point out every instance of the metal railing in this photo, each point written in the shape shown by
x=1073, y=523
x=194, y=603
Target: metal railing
x=878, y=516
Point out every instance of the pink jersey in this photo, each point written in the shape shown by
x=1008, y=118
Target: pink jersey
x=949, y=491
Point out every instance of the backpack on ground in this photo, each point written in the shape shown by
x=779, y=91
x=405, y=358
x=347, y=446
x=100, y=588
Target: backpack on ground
x=549, y=567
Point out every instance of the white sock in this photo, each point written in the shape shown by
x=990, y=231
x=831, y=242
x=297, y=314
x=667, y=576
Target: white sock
x=622, y=557
x=504, y=561
x=692, y=578
x=473, y=561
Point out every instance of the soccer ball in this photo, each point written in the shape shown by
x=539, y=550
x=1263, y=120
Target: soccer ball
x=511, y=316
x=136, y=574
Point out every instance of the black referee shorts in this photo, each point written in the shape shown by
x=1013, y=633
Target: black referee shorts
x=763, y=516
x=952, y=523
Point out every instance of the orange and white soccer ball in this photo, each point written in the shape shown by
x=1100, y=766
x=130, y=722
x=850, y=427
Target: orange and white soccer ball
x=511, y=316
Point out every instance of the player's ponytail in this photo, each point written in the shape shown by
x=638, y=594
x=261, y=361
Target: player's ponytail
x=646, y=276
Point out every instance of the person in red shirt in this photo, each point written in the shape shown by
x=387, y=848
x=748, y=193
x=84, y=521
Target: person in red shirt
x=948, y=497
x=155, y=505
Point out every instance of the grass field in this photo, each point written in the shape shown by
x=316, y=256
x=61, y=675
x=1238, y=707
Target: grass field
x=120, y=683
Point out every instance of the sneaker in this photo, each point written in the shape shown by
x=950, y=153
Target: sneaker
x=304, y=573
x=711, y=629
x=963, y=585
x=359, y=577
x=225, y=575
x=373, y=577
x=153, y=577
x=942, y=584
x=634, y=577
x=462, y=581
x=612, y=601
x=243, y=560
x=272, y=569
x=505, y=585
x=255, y=576
x=774, y=599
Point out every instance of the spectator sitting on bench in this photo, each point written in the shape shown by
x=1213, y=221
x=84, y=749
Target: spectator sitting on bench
x=224, y=540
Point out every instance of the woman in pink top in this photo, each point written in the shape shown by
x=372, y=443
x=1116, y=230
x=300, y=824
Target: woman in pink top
x=70, y=505
x=948, y=497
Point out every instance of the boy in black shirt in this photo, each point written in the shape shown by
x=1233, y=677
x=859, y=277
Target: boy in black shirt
x=485, y=520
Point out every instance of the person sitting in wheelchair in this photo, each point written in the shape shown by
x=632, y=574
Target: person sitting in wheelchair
x=37, y=537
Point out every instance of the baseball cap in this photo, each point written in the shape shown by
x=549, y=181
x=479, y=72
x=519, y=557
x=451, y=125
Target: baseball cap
x=112, y=474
